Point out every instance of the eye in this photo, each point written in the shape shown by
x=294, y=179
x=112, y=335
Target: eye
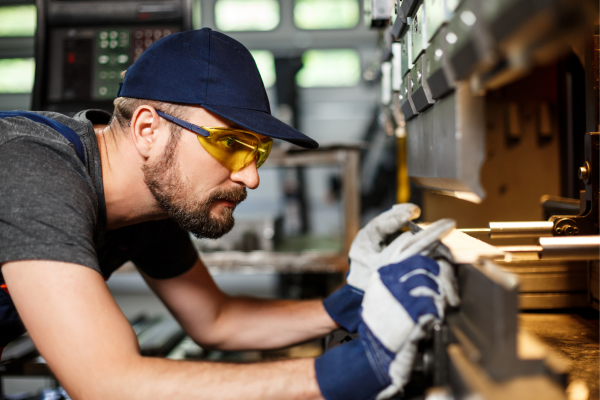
x=229, y=143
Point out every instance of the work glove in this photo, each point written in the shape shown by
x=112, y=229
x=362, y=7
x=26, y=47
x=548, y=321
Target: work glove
x=401, y=302
x=369, y=252
x=365, y=255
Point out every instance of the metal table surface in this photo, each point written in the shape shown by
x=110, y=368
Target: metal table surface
x=574, y=337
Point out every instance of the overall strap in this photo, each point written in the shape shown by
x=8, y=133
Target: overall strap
x=67, y=132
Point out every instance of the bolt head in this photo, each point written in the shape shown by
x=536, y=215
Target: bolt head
x=584, y=171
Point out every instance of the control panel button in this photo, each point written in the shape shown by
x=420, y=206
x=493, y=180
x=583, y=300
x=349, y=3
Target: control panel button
x=103, y=59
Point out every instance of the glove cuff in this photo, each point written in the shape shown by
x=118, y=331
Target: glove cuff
x=345, y=373
x=343, y=306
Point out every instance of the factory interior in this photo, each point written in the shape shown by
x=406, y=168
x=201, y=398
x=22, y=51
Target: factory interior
x=482, y=111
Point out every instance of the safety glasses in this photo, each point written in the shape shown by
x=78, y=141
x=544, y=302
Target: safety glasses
x=233, y=148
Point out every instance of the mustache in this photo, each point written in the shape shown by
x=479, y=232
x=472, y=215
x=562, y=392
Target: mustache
x=235, y=195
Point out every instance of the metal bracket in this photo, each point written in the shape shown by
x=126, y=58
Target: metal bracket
x=587, y=222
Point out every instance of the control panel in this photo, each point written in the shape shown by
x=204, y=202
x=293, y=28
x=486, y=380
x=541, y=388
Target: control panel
x=87, y=63
x=80, y=61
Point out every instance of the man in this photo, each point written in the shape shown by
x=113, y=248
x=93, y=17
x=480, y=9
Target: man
x=80, y=196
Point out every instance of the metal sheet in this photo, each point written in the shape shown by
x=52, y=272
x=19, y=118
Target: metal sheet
x=446, y=145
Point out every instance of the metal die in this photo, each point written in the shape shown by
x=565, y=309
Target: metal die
x=446, y=145
x=439, y=77
x=406, y=9
x=460, y=42
x=400, y=24
x=435, y=16
x=405, y=63
x=420, y=93
x=406, y=103
x=451, y=6
x=506, y=16
x=417, y=33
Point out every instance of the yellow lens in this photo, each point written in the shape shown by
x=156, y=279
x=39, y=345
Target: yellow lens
x=235, y=148
x=264, y=148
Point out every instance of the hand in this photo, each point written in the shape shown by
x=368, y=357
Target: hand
x=343, y=305
x=365, y=256
x=400, y=302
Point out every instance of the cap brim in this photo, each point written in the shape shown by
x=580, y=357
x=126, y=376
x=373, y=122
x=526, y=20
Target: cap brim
x=263, y=123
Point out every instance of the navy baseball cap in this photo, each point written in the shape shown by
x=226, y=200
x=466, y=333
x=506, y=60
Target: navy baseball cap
x=212, y=70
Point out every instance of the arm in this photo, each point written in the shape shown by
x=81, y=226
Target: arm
x=215, y=319
x=89, y=345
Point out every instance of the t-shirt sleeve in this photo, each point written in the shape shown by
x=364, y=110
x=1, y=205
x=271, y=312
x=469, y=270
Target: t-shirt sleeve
x=47, y=207
x=165, y=250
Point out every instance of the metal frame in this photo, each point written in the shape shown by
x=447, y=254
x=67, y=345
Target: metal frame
x=349, y=159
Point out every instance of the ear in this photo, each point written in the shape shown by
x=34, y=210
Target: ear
x=144, y=130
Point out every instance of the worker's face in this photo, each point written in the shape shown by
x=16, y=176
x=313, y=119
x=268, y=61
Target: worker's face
x=194, y=189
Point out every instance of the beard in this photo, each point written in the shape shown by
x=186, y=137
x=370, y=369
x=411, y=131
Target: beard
x=172, y=195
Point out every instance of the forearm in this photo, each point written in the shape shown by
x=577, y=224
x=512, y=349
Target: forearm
x=247, y=323
x=217, y=320
x=153, y=378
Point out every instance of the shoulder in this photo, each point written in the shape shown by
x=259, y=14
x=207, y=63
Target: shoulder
x=32, y=167
x=48, y=210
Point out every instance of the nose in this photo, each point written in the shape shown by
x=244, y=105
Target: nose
x=247, y=176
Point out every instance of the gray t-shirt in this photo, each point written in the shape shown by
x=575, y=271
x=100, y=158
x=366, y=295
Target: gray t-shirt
x=52, y=205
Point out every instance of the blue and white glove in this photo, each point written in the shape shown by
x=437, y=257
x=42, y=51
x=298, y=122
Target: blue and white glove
x=366, y=254
x=401, y=301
